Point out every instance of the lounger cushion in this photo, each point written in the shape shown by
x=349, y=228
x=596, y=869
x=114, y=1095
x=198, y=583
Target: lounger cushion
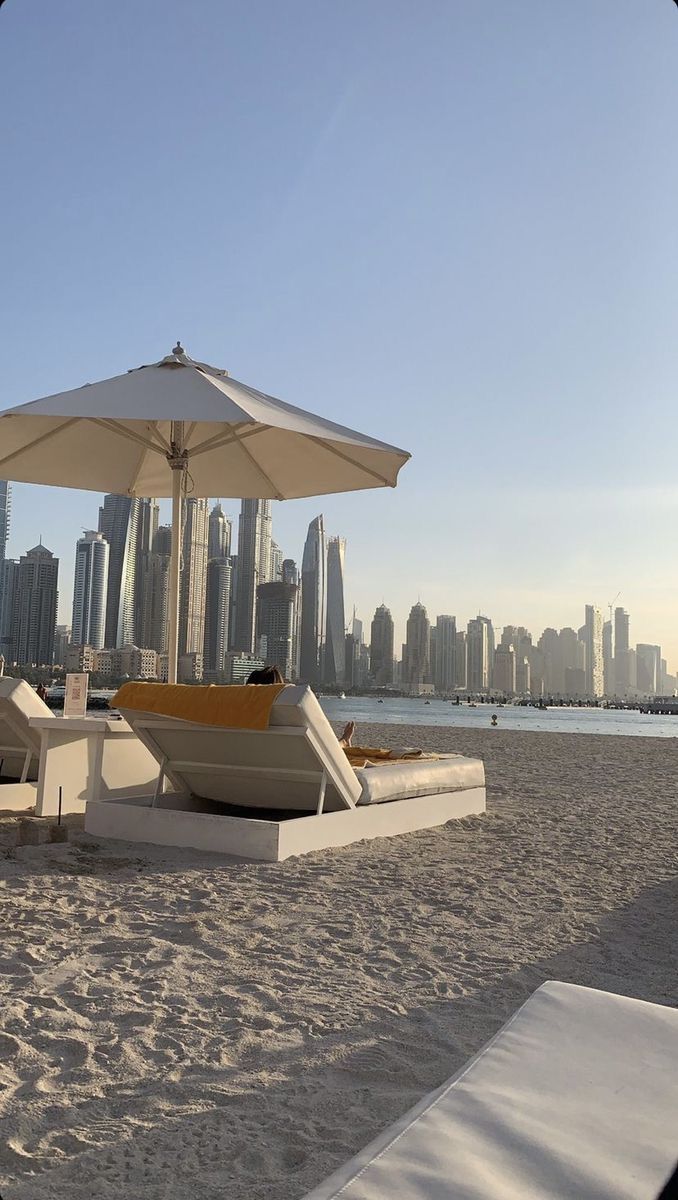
x=575, y=1097
x=420, y=777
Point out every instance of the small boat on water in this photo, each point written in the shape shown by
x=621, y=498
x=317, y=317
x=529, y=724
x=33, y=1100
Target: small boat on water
x=342, y=695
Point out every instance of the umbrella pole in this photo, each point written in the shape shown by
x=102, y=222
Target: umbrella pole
x=179, y=465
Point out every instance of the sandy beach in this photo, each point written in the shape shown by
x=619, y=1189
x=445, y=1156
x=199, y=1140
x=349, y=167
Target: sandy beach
x=178, y=1025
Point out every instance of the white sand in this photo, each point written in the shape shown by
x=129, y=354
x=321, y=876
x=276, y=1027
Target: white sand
x=180, y=1027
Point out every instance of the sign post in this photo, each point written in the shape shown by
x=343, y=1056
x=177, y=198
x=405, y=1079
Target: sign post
x=75, y=700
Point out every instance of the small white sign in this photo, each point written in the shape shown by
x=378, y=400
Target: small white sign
x=75, y=700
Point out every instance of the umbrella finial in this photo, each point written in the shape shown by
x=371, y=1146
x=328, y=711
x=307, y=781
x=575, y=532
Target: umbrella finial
x=178, y=349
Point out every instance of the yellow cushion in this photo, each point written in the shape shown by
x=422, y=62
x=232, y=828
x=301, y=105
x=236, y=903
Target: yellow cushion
x=236, y=707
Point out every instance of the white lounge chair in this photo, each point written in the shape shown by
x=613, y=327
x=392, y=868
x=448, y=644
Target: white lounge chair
x=284, y=790
x=574, y=1099
x=19, y=743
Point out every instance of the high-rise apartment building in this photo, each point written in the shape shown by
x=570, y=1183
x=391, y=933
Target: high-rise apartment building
x=152, y=623
x=277, y=605
x=504, y=676
x=608, y=658
x=62, y=638
x=5, y=509
x=648, y=669
x=334, y=664
x=217, y=613
x=146, y=535
x=381, y=647
x=34, y=621
x=254, y=566
x=118, y=522
x=275, y=572
x=444, y=661
x=219, y=539
x=192, y=591
x=9, y=592
x=552, y=658
x=416, y=655
x=90, y=590
x=621, y=652
x=313, y=592
x=478, y=666
x=460, y=660
x=593, y=641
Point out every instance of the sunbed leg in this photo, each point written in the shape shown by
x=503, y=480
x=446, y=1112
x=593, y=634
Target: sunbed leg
x=159, y=782
x=321, y=793
x=27, y=763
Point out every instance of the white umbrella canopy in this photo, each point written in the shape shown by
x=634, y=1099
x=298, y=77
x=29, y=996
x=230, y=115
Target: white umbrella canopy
x=180, y=425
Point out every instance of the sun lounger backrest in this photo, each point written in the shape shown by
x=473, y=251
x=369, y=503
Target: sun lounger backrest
x=18, y=703
x=291, y=765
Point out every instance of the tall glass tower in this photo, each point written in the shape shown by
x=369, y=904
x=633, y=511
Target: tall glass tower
x=313, y=590
x=254, y=567
x=90, y=590
x=334, y=667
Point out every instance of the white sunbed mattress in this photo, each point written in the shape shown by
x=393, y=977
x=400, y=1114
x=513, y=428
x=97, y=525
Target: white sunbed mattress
x=420, y=777
x=576, y=1098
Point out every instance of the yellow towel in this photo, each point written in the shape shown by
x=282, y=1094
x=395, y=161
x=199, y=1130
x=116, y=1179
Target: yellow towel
x=374, y=756
x=235, y=707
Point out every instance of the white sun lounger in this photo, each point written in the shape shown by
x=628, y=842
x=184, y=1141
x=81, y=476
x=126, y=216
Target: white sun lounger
x=574, y=1099
x=280, y=791
x=19, y=743
x=42, y=755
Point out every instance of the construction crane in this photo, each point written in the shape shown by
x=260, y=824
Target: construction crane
x=613, y=602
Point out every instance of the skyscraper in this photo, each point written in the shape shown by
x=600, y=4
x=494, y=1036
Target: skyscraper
x=217, y=612
x=416, y=661
x=444, y=672
x=192, y=592
x=118, y=522
x=5, y=509
x=153, y=623
x=254, y=565
x=334, y=667
x=554, y=676
x=478, y=655
x=219, y=540
x=593, y=641
x=90, y=588
x=381, y=647
x=34, y=621
x=276, y=625
x=313, y=576
x=648, y=669
x=9, y=594
x=275, y=572
x=621, y=652
x=608, y=658
x=146, y=534
x=504, y=676
x=460, y=663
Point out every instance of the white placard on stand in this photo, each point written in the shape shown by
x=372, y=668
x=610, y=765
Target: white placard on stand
x=75, y=700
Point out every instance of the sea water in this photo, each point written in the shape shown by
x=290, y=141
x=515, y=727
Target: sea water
x=414, y=711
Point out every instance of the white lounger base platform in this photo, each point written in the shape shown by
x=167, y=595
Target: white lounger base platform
x=574, y=1099
x=180, y=821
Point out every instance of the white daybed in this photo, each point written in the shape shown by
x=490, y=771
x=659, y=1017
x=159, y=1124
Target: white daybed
x=19, y=743
x=284, y=790
x=42, y=755
x=574, y=1099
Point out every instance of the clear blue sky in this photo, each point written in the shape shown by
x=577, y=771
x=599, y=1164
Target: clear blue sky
x=450, y=225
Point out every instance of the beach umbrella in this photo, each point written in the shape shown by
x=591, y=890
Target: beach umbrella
x=177, y=427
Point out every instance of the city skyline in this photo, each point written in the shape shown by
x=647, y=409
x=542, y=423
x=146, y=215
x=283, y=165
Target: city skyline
x=144, y=515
